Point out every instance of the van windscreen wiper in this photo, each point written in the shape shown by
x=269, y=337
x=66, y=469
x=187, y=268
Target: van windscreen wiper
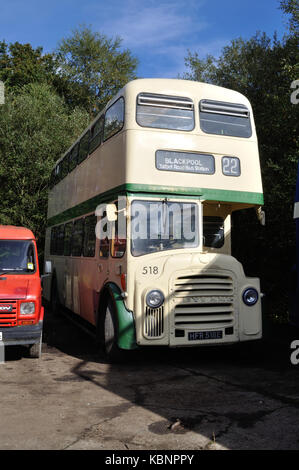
x=10, y=270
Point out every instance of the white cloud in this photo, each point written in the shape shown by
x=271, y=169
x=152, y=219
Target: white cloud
x=158, y=32
x=150, y=23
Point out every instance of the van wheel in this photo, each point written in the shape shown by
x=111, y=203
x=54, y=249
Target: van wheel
x=35, y=350
x=55, y=303
x=109, y=333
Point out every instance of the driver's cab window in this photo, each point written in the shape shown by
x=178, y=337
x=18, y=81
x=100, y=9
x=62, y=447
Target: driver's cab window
x=213, y=231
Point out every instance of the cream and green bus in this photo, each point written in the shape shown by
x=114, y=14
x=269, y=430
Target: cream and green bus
x=138, y=242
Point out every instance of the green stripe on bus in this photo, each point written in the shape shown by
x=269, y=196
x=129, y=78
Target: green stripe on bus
x=90, y=205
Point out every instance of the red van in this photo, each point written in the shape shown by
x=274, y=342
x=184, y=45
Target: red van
x=21, y=311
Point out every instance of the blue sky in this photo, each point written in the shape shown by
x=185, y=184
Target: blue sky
x=158, y=32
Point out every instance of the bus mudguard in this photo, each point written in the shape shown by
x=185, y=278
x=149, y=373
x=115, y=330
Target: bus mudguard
x=126, y=325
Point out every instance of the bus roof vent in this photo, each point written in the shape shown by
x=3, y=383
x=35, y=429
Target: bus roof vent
x=220, y=107
x=149, y=99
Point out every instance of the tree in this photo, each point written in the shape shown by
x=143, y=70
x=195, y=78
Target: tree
x=263, y=69
x=96, y=67
x=20, y=64
x=36, y=127
x=291, y=7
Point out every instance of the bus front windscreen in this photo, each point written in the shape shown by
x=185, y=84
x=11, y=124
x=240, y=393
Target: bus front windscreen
x=163, y=225
x=17, y=256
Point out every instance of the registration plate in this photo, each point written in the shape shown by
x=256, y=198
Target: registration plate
x=203, y=335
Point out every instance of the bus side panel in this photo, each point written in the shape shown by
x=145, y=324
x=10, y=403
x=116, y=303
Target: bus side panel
x=46, y=280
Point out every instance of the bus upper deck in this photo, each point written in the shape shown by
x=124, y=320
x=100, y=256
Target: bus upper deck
x=163, y=129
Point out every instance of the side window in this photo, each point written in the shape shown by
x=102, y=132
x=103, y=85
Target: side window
x=104, y=243
x=67, y=238
x=60, y=240
x=89, y=236
x=77, y=237
x=30, y=261
x=73, y=157
x=84, y=147
x=96, y=134
x=114, y=118
x=53, y=241
x=65, y=166
x=213, y=231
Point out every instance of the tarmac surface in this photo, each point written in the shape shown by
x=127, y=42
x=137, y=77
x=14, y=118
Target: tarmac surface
x=224, y=398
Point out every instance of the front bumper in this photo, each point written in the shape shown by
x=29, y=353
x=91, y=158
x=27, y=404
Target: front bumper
x=26, y=334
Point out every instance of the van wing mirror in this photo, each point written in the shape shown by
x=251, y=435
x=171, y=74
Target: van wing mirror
x=48, y=267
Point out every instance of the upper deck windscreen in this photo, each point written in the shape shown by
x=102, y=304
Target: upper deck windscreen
x=165, y=112
x=221, y=118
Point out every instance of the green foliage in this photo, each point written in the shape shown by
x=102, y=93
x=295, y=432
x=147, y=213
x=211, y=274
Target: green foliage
x=20, y=64
x=263, y=69
x=291, y=7
x=96, y=67
x=36, y=127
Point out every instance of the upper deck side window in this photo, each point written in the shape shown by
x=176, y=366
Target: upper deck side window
x=83, y=147
x=221, y=118
x=65, y=166
x=114, y=118
x=165, y=112
x=96, y=134
x=73, y=158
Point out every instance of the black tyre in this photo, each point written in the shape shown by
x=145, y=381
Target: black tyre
x=110, y=334
x=35, y=350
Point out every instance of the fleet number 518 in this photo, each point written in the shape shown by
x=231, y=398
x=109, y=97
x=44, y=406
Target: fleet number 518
x=150, y=270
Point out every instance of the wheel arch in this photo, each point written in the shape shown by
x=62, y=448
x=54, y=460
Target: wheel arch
x=125, y=321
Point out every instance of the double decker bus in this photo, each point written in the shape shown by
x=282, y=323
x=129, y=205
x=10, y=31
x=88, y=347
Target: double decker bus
x=165, y=164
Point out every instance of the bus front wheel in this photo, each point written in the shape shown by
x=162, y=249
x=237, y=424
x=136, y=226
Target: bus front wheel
x=110, y=328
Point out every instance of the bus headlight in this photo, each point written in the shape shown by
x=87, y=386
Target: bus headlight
x=154, y=299
x=27, y=308
x=250, y=296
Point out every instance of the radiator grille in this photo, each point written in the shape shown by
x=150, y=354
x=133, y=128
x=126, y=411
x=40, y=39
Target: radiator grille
x=154, y=322
x=8, y=313
x=203, y=300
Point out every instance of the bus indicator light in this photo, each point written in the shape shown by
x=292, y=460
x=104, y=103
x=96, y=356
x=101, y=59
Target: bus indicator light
x=123, y=281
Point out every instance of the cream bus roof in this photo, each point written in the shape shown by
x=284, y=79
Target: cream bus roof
x=188, y=88
x=171, y=86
